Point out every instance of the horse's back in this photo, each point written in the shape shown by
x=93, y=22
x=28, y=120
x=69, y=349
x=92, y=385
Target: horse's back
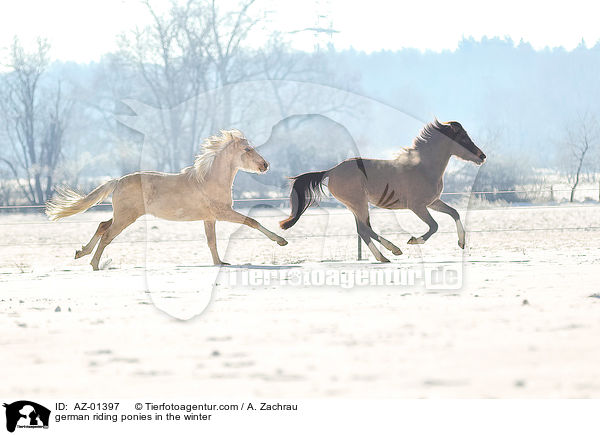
x=164, y=195
x=355, y=178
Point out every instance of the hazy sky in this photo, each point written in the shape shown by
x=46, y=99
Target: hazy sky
x=82, y=30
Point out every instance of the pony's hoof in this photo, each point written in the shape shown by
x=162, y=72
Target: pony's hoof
x=223, y=263
x=78, y=254
x=397, y=251
x=282, y=242
x=415, y=241
x=384, y=260
x=461, y=244
x=95, y=267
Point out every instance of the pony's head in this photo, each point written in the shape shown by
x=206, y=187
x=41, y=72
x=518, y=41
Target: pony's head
x=245, y=156
x=234, y=147
x=461, y=144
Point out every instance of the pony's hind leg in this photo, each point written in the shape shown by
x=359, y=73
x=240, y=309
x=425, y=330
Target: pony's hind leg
x=113, y=231
x=87, y=249
x=351, y=192
x=384, y=242
x=359, y=206
x=361, y=228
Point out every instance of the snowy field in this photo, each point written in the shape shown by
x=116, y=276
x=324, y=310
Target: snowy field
x=526, y=322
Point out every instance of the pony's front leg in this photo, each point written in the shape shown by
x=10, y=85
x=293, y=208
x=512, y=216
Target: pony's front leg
x=426, y=217
x=211, y=239
x=442, y=207
x=238, y=218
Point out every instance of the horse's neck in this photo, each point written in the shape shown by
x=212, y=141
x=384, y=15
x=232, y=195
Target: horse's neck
x=221, y=175
x=434, y=159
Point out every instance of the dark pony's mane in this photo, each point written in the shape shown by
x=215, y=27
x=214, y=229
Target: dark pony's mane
x=429, y=134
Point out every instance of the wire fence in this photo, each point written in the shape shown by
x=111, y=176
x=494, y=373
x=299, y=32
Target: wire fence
x=242, y=201
x=286, y=198
x=338, y=211
x=304, y=236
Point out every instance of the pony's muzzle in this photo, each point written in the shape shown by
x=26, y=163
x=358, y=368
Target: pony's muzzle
x=482, y=157
x=264, y=167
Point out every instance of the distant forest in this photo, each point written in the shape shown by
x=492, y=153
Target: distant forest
x=521, y=99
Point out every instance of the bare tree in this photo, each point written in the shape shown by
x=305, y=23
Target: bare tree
x=227, y=31
x=581, y=143
x=34, y=122
x=189, y=61
x=157, y=54
x=180, y=56
x=7, y=189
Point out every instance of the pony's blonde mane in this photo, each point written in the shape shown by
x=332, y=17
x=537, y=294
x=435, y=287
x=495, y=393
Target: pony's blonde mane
x=211, y=147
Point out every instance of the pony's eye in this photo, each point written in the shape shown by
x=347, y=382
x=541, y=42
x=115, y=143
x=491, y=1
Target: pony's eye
x=247, y=149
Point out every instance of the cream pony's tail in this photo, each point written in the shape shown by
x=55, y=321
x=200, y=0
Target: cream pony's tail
x=67, y=202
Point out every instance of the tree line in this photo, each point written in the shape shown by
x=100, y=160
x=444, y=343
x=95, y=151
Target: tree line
x=60, y=120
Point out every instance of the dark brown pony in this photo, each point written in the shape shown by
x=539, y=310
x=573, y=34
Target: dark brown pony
x=413, y=180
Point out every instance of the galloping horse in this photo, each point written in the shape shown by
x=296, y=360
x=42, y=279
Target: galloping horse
x=198, y=192
x=413, y=180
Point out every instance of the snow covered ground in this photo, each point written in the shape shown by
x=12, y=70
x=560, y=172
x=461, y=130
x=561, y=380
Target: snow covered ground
x=524, y=324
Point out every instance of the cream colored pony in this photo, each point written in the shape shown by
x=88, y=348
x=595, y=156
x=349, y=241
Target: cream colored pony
x=198, y=192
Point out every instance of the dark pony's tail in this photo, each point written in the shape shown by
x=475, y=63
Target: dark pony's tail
x=306, y=190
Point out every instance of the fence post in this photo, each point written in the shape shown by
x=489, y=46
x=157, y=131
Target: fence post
x=552, y=193
x=359, y=246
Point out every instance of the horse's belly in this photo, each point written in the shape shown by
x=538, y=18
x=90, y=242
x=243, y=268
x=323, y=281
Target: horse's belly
x=398, y=196
x=178, y=216
x=177, y=212
x=388, y=197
